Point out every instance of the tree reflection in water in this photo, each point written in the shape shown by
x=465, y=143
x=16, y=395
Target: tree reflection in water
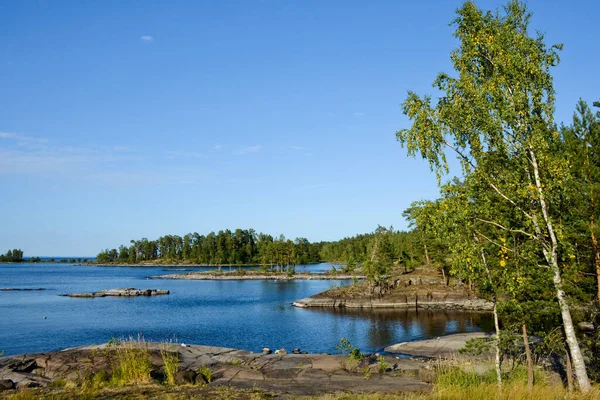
x=389, y=326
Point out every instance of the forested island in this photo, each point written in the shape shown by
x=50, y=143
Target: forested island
x=14, y=255
x=246, y=247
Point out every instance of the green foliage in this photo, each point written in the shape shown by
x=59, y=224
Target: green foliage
x=344, y=346
x=239, y=247
x=476, y=347
x=379, y=258
x=58, y=383
x=452, y=376
x=15, y=255
x=206, y=372
x=170, y=362
x=383, y=365
x=132, y=362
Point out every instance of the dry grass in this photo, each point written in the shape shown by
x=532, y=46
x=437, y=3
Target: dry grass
x=516, y=391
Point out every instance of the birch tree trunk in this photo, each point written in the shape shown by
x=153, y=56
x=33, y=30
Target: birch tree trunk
x=496, y=323
x=551, y=255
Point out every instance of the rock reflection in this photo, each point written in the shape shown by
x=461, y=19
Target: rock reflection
x=389, y=326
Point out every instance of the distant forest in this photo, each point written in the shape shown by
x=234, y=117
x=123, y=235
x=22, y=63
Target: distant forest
x=14, y=255
x=246, y=247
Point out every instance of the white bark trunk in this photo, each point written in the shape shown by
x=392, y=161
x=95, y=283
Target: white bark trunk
x=498, y=360
x=496, y=322
x=551, y=255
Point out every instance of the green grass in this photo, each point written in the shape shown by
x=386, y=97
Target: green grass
x=170, y=362
x=132, y=362
x=206, y=372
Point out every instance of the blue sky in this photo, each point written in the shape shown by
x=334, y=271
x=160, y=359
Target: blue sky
x=129, y=119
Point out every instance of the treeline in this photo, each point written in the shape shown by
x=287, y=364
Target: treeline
x=521, y=225
x=14, y=255
x=405, y=248
x=239, y=247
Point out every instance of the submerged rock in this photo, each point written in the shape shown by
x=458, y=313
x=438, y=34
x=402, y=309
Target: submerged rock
x=121, y=292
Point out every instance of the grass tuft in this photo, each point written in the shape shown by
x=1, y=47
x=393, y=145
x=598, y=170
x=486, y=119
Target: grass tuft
x=206, y=372
x=132, y=362
x=170, y=362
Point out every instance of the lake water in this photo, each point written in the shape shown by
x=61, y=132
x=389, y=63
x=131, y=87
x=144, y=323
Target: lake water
x=240, y=314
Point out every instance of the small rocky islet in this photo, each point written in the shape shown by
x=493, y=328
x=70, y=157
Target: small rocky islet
x=422, y=288
x=120, y=292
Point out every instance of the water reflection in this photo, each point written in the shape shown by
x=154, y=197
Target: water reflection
x=390, y=326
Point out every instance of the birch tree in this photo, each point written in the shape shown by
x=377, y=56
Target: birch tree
x=496, y=116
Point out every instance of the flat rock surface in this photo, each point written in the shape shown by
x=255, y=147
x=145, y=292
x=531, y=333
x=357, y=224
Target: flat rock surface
x=443, y=346
x=125, y=292
x=295, y=374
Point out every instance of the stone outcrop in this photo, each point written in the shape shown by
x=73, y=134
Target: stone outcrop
x=290, y=374
x=419, y=289
x=426, y=300
x=124, y=292
x=443, y=346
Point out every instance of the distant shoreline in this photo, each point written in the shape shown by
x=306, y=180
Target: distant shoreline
x=274, y=276
x=170, y=264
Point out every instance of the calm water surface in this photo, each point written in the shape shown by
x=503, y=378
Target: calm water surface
x=241, y=314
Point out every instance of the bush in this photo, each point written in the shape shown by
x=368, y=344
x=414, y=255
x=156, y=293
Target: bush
x=476, y=347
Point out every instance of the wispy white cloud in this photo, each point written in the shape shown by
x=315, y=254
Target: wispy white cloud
x=218, y=146
x=359, y=114
x=249, y=149
x=297, y=148
x=184, y=154
x=21, y=138
x=147, y=39
x=111, y=165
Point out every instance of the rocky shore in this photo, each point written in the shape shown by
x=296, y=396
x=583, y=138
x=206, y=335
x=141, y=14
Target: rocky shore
x=444, y=346
x=296, y=374
x=121, y=292
x=426, y=300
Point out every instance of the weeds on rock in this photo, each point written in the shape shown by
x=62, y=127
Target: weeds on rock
x=132, y=362
x=383, y=365
x=206, y=372
x=170, y=362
